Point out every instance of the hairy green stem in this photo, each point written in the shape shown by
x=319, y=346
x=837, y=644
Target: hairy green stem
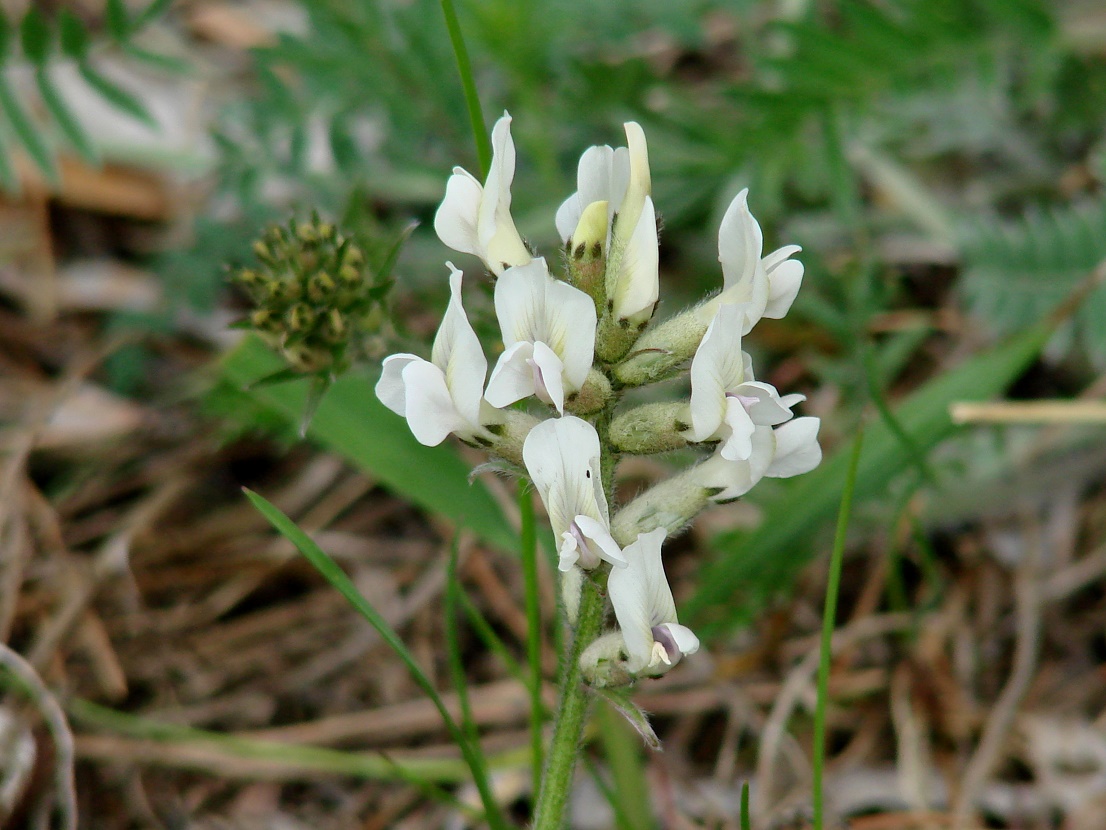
x=528, y=547
x=571, y=716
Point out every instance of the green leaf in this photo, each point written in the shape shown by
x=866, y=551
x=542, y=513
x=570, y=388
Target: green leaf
x=9, y=181
x=115, y=95
x=27, y=133
x=67, y=122
x=460, y=687
x=153, y=11
x=116, y=19
x=166, y=63
x=350, y=421
x=74, y=36
x=6, y=34
x=34, y=34
x=333, y=574
x=753, y=565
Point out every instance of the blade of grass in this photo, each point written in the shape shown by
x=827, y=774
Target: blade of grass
x=28, y=134
x=528, y=552
x=829, y=621
x=746, y=821
x=65, y=119
x=468, y=84
x=457, y=673
x=344, y=585
x=310, y=761
x=623, y=747
x=351, y=422
x=492, y=640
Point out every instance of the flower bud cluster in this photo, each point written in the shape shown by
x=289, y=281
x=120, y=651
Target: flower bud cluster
x=313, y=295
x=572, y=347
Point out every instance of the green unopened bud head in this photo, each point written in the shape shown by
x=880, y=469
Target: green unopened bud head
x=263, y=319
x=301, y=317
x=320, y=286
x=307, y=232
x=353, y=256
x=306, y=357
x=349, y=274
x=335, y=329
x=261, y=250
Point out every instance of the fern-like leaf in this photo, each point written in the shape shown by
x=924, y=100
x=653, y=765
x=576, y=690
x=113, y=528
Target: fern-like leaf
x=1016, y=271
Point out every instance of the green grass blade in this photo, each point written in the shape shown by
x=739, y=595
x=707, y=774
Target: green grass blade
x=67, y=122
x=622, y=747
x=528, y=553
x=468, y=84
x=310, y=760
x=492, y=640
x=28, y=133
x=829, y=621
x=351, y=422
x=9, y=181
x=457, y=672
x=746, y=821
x=764, y=561
x=333, y=574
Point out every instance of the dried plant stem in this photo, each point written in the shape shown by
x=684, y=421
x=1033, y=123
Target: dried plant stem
x=54, y=717
x=996, y=731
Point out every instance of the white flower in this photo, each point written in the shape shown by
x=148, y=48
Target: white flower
x=764, y=287
x=446, y=393
x=726, y=402
x=655, y=640
x=562, y=457
x=621, y=179
x=549, y=333
x=476, y=219
x=788, y=450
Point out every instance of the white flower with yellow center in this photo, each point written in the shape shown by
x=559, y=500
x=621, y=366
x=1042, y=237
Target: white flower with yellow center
x=562, y=458
x=548, y=332
x=727, y=403
x=655, y=640
x=446, y=393
x=764, y=287
x=619, y=181
x=476, y=219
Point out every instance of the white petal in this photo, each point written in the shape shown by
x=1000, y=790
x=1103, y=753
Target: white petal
x=570, y=329
x=639, y=185
x=599, y=535
x=431, y=414
x=562, y=457
x=641, y=597
x=784, y=281
x=455, y=221
x=797, y=449
x=502, y=245
x=684, y=637
x=763, y=402
x=568, y=216
x=550, y=371
x=738, y=446
x=638, y=284
x=520, y=302
x=717, y=367
x=739, y=243
x=458, y=353
x=736, y=478
x=513, y=377
x=390, y=389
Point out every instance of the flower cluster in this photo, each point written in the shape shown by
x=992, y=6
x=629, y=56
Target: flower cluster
x=313, y=295
x=576, y=345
